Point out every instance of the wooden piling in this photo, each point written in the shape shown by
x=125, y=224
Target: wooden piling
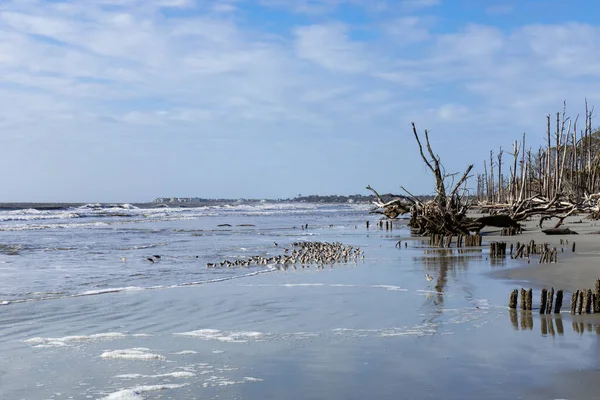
x=529, y=299
x=512, y=300
x=523, y=300
x=543, y=300
x=597, y=297
x=580, y=301
x=588, y=301
x=574, y=298
x=573, y=247
x=550, y=301
x=559, y=300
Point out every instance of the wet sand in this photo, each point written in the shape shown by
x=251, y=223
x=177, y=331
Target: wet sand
x=574, y=270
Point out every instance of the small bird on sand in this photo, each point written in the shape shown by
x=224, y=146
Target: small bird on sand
x=150, y=259
x=275, y=243
x=428, y=277
x=156, y=256
x=123, y=259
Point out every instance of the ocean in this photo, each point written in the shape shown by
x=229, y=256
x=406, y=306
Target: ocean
x=116, y=302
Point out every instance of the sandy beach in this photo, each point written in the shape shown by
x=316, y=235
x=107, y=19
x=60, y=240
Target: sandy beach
x=573, y=271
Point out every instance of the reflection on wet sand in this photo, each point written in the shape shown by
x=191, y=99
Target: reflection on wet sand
x=551, y=324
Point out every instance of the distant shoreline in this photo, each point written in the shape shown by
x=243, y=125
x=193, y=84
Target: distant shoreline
x=49, y=206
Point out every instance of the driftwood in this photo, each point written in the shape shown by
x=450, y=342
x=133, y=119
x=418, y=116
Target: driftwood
x=559, y=231
x=499, y=221
x=392, y=209
x=445, y=214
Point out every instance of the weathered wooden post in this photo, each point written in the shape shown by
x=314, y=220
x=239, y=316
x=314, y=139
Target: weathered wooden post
x=574, y=298
x=367, y=224
x=559, y=300
x=597, y=298
x=512, y=300
x=580, y=301
x=550, y=301
x=523, y=299
x=588, y=301
x=573, y=247
x=543, y=300
x=529, y=299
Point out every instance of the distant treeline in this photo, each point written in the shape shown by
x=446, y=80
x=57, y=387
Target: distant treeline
x=334, y=198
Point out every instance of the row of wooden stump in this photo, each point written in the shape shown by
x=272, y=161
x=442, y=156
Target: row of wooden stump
x=438, y=240
x=387, y=225
x=547, y=298
x=510, y=231
x=499, y=249
x=582, y=301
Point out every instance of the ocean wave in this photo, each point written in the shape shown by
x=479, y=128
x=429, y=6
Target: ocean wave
x=70, y=340
x=104, y=291
x=20, y=220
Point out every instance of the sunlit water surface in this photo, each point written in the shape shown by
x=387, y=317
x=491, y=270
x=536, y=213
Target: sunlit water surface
x=78, y=322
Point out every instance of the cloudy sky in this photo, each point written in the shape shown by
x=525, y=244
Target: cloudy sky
x=127, y=100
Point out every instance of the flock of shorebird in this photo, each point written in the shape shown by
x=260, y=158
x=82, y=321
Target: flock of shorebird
x=302, y=254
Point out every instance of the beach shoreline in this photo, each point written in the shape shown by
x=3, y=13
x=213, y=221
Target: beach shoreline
x=573, y=271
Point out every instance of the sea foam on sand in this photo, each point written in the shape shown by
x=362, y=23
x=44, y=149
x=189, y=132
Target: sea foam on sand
x=178, y=374
x=136, y=353
x=223, y=336
x=135, y=393
x=67, y=340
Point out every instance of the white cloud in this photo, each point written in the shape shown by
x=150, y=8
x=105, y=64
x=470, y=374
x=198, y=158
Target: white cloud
x=330, y=47
x=453, y=111
x=77, y=70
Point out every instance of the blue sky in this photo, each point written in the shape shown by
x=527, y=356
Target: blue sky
x=127, y=100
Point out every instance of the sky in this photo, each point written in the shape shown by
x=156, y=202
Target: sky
x=128, y=100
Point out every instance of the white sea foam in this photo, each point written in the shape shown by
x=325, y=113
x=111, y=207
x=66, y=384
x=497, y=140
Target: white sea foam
x=136, y=353
x=178, y=374
x=302, y=284
x=224, y=336
x=109, y=290
x=251, y=379
x=223, y=381
x=186, y=352
x=390, y=287
x=69, y=340
x=135, y=393
x=417, y=330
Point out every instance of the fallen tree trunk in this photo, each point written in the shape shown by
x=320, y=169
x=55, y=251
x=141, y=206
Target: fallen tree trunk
x=559, y=231
x=499, y=221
